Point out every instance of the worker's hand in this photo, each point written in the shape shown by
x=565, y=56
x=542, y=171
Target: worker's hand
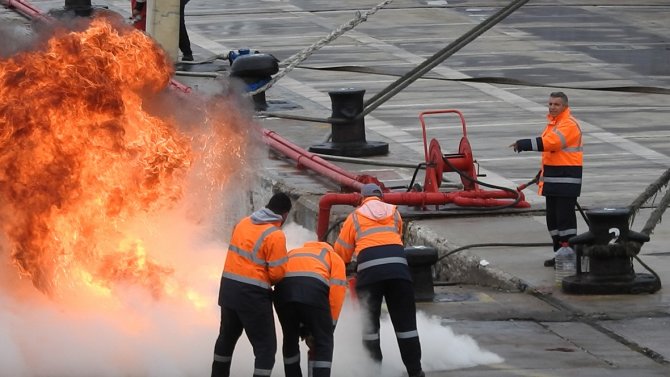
x=513, y=146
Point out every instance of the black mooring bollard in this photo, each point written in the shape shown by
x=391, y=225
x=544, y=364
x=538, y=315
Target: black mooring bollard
x=610, y=247
x=348, y=133
x=421, y=260
x=73, y=9
x=78, y=4
x=255, y=70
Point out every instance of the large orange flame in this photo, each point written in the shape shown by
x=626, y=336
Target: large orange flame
x=80, y=156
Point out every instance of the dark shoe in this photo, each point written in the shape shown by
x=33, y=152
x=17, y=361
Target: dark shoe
x=187, y=58
x=550, y=262
x=420, y=374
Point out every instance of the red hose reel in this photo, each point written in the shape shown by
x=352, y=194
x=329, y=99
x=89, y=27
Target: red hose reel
x=438, y=163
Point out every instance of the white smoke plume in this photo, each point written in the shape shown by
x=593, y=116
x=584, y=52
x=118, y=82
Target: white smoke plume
x=135, y=335
x=124, y=330
x=15, y=36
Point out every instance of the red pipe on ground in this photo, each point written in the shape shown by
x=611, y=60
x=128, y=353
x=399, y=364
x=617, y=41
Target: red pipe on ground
x=25, y=9
x=460, y=198
x=311, y=161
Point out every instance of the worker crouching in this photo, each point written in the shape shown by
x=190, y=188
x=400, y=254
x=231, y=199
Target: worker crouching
x=308, y=302
x=372, y=234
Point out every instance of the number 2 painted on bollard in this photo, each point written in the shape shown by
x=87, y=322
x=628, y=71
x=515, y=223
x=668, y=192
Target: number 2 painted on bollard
x=615, y=232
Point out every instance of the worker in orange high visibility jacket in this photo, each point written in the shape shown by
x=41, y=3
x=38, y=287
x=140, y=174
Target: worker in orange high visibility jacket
x=308, y=302
x=256, y=260
x=560, y=178
x=372, y=236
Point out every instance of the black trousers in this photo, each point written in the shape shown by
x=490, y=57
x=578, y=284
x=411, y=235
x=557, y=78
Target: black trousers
x=260, y=328
x=399, y=296
x=561, y=218
x=184, y=41
x=301, y=319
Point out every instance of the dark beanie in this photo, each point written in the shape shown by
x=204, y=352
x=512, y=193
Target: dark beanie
x=279, y=203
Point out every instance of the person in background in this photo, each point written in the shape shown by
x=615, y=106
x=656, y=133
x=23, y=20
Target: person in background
x=560, y=177
x=139, y=14
x=308, y=302
x=256, y=260
x=139, y=17
x=184, y=41
x=372, y=235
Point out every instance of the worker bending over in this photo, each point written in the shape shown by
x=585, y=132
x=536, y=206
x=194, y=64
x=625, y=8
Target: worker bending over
x=308, y=302
x=255, y=261
x=372, y=235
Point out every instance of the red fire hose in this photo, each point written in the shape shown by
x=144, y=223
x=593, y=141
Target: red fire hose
x=461, y=198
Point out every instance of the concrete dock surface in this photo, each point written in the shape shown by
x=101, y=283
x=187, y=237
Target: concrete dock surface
x=610, y=57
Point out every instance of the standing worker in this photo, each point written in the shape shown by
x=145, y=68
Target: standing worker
x=256, y=260
x=308, y=302
x=560, y=177
x=139, y=17
x=372, y=234
x=184, y=41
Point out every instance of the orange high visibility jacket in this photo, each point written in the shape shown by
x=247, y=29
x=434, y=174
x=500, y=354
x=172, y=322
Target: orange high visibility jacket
x=373, y=223
x=562, y=155
x=257, y=251
x=315, y=275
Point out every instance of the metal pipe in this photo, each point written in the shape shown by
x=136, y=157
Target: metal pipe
x=367, y=161
x=26, y=9
x=311, y=161
x=464, y=199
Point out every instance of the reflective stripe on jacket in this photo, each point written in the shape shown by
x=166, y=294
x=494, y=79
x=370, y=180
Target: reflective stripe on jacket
x=562, y=155
x=256, y=254
x=373, y=223
x=372, y=233
x=315, y=275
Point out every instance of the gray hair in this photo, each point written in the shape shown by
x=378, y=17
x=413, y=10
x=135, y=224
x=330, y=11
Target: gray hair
x=560, y=95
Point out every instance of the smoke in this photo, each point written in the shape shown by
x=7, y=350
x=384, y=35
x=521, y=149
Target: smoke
x=15, y=37
x=441, y=348
x=132, y=334
x=124, y=329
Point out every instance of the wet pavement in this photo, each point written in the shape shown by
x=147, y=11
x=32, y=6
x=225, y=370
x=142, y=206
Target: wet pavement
x=610, y=57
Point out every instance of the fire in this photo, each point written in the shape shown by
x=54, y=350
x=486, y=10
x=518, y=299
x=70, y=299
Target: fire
x=81, y=158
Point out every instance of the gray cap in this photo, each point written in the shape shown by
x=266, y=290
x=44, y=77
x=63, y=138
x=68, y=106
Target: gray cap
x=371, y=189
